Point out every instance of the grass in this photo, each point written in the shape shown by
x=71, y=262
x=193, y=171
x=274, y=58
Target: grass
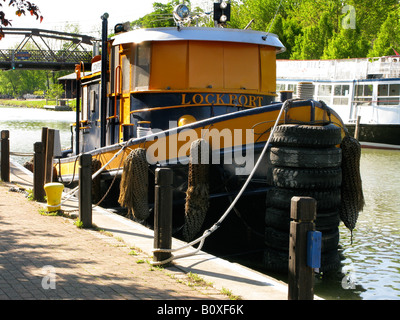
x=32, y=103
x=229, y=293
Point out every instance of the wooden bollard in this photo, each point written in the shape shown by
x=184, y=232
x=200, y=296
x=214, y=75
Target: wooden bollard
x=5, y=156
x=38, y=172
x=48, y=177
x=163, y=213
x=301, y=276
x=357, y=129
x=85, y=190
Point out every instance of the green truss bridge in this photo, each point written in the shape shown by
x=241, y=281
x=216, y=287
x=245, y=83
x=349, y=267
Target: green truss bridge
x=39, y=54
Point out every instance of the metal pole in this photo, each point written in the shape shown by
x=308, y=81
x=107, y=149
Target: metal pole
x=103, y=105
x=78, y=107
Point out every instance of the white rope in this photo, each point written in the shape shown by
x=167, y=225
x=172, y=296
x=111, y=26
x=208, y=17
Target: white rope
x=218, y=223
x=21, y=154
x=71, y=193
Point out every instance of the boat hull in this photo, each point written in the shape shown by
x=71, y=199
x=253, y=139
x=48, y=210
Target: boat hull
x=377, y=136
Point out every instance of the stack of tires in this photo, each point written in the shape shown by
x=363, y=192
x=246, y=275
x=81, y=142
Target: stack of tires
x=305, y=161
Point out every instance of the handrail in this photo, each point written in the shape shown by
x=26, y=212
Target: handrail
x=118, y=80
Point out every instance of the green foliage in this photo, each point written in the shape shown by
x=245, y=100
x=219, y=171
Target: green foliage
x=160, y=17
x=56, y=90
x=325, y=29
x=310, y=29
x=388, y=37
x=19, y=82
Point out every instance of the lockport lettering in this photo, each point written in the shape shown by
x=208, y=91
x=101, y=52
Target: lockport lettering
x=218, y=99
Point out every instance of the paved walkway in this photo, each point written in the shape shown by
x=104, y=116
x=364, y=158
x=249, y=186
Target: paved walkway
x=92, y=265
x=46, y=257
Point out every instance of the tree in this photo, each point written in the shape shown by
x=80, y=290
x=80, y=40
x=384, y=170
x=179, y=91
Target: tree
x=311, y=29
x=22, y=7
x=388, y=38
x=348, y=43
x=160, y=17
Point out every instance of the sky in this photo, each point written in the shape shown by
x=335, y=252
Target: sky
x=85, y=13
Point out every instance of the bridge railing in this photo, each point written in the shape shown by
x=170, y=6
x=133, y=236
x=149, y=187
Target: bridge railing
x=10, y=55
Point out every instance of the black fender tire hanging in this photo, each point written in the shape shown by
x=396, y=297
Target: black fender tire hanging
x=311, y=136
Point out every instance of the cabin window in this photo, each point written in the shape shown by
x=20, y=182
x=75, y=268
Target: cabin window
x=280, y=87
x=114, y=65
x=85, y=103
x=292, y=87
x=341, y=94
x=363, y=94
x=388, y=94
x=92, y=101
x=325, y=93
x=126, y=68
x=142, y=66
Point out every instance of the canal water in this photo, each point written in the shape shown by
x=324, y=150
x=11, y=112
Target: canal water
x=25, y=126
x=371, y=263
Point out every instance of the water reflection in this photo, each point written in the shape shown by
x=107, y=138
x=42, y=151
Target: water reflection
x=374, y=257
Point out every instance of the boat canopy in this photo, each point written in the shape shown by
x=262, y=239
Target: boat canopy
x=201, y=34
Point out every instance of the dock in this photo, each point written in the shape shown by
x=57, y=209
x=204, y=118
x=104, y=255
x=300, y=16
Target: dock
x=239, y=280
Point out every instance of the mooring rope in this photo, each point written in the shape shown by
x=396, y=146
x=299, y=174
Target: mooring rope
x=71, y=193
x=21, y=154
x=209, y=231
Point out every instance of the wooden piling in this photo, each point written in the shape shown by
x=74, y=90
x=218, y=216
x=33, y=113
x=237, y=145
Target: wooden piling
x=48, y=177
x=5, y=156
x=357, y=129
x=163, y=213
x=301, y=276
x=38, y=172
x=85, y=190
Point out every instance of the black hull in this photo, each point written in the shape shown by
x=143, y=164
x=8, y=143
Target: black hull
x=379, y=136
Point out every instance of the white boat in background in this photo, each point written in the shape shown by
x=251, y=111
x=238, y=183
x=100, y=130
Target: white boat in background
x=364, y=90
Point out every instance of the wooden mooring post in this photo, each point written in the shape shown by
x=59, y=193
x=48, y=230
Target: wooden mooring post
x=85, y=190
x=357, y=129
x=48, y=176
x=5, y=156
x=163, y=213
x=38, y=172
x=301, y=276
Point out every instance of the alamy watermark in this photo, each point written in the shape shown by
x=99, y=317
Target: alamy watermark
x=49, y=279
x=349, y=21
x=349, y=280
x=230, y=141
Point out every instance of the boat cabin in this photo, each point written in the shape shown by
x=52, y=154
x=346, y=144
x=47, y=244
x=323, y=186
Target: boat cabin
x=164, y=77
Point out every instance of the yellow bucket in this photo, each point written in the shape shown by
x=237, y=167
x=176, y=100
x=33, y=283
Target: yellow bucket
x=54, y=192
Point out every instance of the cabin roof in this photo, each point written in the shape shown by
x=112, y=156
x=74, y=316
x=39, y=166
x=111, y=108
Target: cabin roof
x=201, y=34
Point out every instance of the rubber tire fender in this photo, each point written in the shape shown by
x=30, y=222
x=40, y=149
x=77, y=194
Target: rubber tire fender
x=280, y=219
x=326, y=199
x=311, y=136
x=280, y=239
x=300, y=178
x=305, y=157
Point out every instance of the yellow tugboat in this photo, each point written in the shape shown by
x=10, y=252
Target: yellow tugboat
x=155, y=95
